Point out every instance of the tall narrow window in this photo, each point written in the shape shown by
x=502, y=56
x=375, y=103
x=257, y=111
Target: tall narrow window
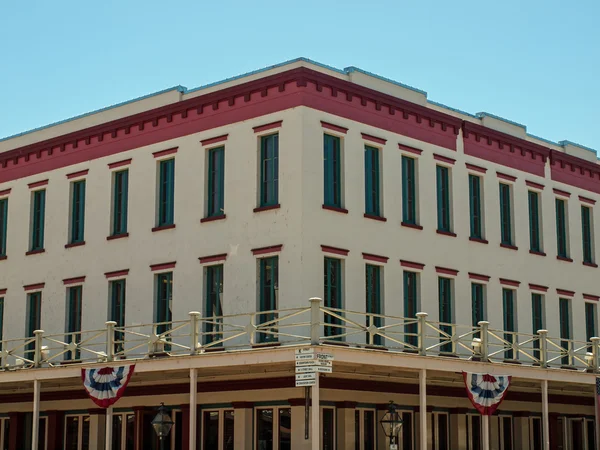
x=117, y=310
x=537, y=320
x=164, y=300
x=332, y=171
x=473, y=432
x=73, y=328
x=561, y=228
x=443, y=199
x=590, y=321
x=372, y=194
x=506, y=237
x=373, y=299
x=328, y=436
x=409, y=191
x=535, y=244
x=3, y=225
x=38, y=214
x=506, y=433
x=213, y=314
x=216, y=182
x=586, y=234
x=210, y=429
x=333, y=294
x=364, y=429
x=120, y=202
x=410, y=307
x=445, y=299
x=34, y=319
x=535, y=425
x=269, y=170
x=77, y=211
x=565, y=326
x=508, y=303
x=268, y=292
x=440, y=431
x=285, y=429
x=166, y=192
x=477, y=306
x=475, y=206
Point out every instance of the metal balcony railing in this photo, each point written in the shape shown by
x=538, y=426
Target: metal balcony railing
x=312, y=325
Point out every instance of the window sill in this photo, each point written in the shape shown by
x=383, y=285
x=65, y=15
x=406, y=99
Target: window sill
x=411, y=225
x=163, y=227
x=3, y=257
x=371, y=216
x=266, y=208
x=117, y=236
x=75, y=244
x=590, y=264
x=480, y=240
x=335, y=208
x=446, y=233
x=563, y=258
x=510, y=247
x=213, y=218
x=535, y=252
x=35, y=252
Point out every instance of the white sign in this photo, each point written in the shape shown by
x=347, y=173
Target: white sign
x=305, y=356
x=306, y=376
x=306, y=383
x=324, y=356
x=306, y=369
x=301, y=351
x=324, y=369
x=306, y=362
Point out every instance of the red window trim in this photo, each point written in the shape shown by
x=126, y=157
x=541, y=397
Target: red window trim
x=376, y=258
x=267, y=126
x=334, y=250
x=122, y=163
x=269, y=249
x=213, y=258
x=214, y=140
x=117, y=273
x=34, y=287
x=163, y=266
x=169, y=151
x=81, y=173
x=409, y=149
x=333, y=127
x=74, y=280
x=446, y=271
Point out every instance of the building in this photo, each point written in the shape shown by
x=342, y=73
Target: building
x=244, y=199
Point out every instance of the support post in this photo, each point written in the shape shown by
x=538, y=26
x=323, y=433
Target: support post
x=37, y=352
x=316, y=417
x=35, y=425
x=110, y=340
x=423, y=407
x=543, y=348
x=194, y=332
x=421, y=327
x=595, y=353
x=485, y=422
x=484, y=325
x=315, y=320
x=108, y=431
x=545, y=415
x=193, y=403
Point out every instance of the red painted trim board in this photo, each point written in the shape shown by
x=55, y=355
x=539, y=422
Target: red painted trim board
x=376, y=258
x=333, y=127
x=335, y=250
x=117, y=273
x=163, y=266
x=75, y=280
x=212, y=258
x=269, y=249
x=214, y=140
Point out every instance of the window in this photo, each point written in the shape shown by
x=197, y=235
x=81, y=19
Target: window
x=74, y=297
x=1, y=327
x=473, y=432
x=216, y=182
x=506, y=237
x=475, y=206
x=164, y=300
x=34, y=318
x=372, y=197
x=409, y=191
x=123, y=432
x=477, y=305
x=410, y=307
x=440, y=435
x=273, y=429
x=564, y=305
x=269, y=170
x=26, y=430
x=561, y=228
x=535, y=433
x=332, y=171
x=586, y=234
x=443, y=199
x=117, y=310
x=364, y=429
x=537, y=316
x=535, y=242
x=445, y=300
x=77, y=433
x=77, y=211
x=328, y=429
x=508, y=303
x=37, y=220
x=213, y=313
x=4, y=433
x=120, y=202
x=166, y=193
x=268, y=293
x=405, y=437
x=3, y=225
x=217, y=426
x=373, y=299
x=333, y=294
x=506, y=433
x=590, y=434
x=590, y=322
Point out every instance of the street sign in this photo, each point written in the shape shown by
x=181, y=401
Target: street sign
x=324, y=356
x=306, y=383
x=305, y=356
x=306, y=369
x=306, y=362
x=301, y=351
x=324, y=369
x=306, y=376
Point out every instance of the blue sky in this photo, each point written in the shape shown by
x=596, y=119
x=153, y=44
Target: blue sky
x=534, y=62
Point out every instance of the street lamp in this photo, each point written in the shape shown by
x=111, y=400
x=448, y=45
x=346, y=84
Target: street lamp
x=162, y=424
x=391, y=424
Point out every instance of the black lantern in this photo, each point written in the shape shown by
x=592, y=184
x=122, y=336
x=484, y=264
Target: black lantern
x=391, y=424
x=162, y=424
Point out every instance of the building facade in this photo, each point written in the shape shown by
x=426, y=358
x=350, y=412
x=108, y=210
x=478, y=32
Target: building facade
x=242, y=200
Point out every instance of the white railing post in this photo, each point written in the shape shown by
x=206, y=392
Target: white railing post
x=595, y=353
x=543, y=348
x=484, y=350
x=421, y=328
x=315, y=320
x=110, y=340
x=37, y=353
x=194, y=331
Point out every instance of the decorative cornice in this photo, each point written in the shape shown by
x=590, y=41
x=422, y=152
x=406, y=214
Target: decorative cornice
x=375, y=258
x=538, y=287
x=214, y=140
x=266, y=250
x=334, y=250
x=163, y=266
x=478, y=277
x=117, y=273
x=446, y=271
x=213, y=258
x=74, y=280
x=333, y=127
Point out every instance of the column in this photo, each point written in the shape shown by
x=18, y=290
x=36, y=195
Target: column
x=97, y=429
x=35, y=421
x=192, y=410
x=423, y=409
x=138, y=412
x=458, y=428
x=521, y=429
x=545, y=417
x=185, y=428
x=315, y=417
x=345, y=433
x=242, y=425
x=55, y=424
x=494, y=432
x=298, y=424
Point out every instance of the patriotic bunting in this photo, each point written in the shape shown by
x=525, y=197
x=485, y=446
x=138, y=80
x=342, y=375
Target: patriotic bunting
x=106, y=385
x=486, y=392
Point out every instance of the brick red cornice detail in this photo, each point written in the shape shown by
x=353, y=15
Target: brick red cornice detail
x=479, y=277
x=5, y=192
x=269, y=249
x=538, y=287
x=122, y=163
x=268, y=126
x=409, y=149
x=169, y=151
x=443, y=159
x=214, y=140
x=565, y=292
x=585, y=297
x=212, y=258
x=333, y=127
x=569, y=169
x=581, y=199
x=475, y=168
x=506, y=177
x=534, y=185
x=561, y=192
x=34, y=287
x=368, y=137
x=376, y=258
x=411, y=264
x=117, y=273
x=163, y=266
x=75, y=280
x=446, y=271
x=335, y=250
x=37, y=184
x=507, y=282
x=3, y=291
x=81, y=173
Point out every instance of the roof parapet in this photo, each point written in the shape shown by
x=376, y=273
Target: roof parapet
x=574, y=149
x=501, y=124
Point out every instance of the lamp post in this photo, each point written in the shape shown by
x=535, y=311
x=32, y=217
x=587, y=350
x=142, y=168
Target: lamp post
x=162, y=424
x=391, y=424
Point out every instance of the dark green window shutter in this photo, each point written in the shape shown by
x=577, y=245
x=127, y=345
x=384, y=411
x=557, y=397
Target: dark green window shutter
x=537, y=320
x=38, y=219
x=372, y=198
x=166, y=194
x=561, y=228
x=269, y=170
x=268, y=291
x=410, y=306
x=120, y=202
x=213, y=310
x=3, y=225
x=586, y=234
x=78, y=211
x=590, y=321
x=1, y=321
x=333, y=293
x=509, y=319
x=164, y=301
x=475, y=206
x=34, y=319
x=373, y=298
x=74, y=299
x=505, y=215
x=445, y=311
x=477, y=306
x=409, y=191
x=534, y=222
x=565, y=325
x=443, y=198
x=332, y=171
x=216, y=182
x=117, y=310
